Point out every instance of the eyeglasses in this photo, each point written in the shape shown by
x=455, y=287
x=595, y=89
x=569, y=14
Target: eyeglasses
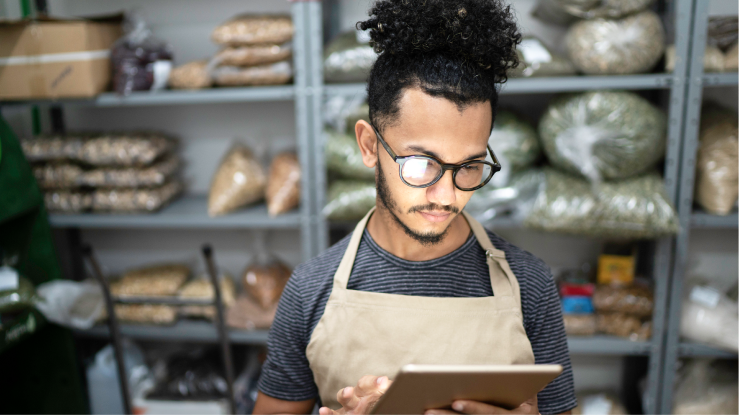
x=423, y=171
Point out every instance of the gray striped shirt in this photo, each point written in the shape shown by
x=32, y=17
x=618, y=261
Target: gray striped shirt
x=463, y=273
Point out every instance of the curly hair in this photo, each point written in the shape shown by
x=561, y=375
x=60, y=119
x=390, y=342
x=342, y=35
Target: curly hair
x=455, y=49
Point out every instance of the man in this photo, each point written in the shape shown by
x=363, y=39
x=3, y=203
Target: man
x=419, y=281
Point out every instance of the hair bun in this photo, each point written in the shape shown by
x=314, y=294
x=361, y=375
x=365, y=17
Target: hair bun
x=483, y=32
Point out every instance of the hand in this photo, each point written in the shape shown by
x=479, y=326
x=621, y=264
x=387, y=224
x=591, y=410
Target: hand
x=360, y=399
x=470, y=407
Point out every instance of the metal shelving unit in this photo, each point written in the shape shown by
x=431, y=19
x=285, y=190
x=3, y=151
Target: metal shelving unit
x=690, y=218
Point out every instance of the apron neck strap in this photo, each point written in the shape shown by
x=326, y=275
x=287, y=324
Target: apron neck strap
x=341, y=277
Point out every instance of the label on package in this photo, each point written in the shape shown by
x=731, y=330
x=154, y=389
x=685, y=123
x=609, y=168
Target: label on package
x=705, y=296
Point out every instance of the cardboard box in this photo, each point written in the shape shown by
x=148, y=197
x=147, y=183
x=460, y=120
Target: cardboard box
x=55, y=58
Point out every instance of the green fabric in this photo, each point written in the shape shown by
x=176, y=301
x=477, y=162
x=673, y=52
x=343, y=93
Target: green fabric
x=40, y=374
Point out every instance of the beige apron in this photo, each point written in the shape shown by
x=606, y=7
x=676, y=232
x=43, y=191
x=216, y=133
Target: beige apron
x=366, y=333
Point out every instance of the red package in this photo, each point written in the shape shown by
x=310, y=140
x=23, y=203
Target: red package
x=580, y=290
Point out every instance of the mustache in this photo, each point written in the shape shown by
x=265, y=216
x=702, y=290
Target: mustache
x=434, y=207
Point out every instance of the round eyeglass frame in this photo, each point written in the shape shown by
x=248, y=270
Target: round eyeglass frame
x=495, y=166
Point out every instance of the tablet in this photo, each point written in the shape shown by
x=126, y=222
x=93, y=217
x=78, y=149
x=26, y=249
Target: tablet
x=417, y=388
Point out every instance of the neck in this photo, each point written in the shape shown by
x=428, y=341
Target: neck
x=391, y=237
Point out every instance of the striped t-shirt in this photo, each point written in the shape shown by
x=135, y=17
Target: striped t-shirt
x=463, y=273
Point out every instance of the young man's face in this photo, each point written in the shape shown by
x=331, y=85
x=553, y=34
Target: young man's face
x=433, y=126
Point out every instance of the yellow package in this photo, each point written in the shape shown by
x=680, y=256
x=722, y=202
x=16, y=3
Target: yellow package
x=616, y=269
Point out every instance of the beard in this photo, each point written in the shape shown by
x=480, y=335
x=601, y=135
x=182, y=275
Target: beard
x=424, y=238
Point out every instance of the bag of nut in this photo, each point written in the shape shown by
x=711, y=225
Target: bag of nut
x=283, y=185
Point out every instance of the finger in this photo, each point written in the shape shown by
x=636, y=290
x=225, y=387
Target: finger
x=439, y=412
x=326, y=411
x=347, y=398
x=367, y=385
x=472, y=407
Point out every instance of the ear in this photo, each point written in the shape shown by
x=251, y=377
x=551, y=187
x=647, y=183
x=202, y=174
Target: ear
x=367, y=141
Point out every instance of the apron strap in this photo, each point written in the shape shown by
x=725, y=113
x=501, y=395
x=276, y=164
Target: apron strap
x=501, y=282
x=341, y=278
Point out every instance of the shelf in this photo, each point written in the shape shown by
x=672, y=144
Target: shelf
x=183, y=330
x=547, y=85
x=720, y=79
x=178, y=97
x=607, y=345
x=185, y=212
x=701, y=219
x=687, y=349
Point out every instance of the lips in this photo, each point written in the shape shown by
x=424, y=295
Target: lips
x=435, y=216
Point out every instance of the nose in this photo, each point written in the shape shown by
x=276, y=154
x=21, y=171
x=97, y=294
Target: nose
x=442, y=192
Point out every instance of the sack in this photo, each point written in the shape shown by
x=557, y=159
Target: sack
x=135, y=200
x=344, y=158
x=564, y=12
x=347, y=59
x=603, y=135
x=65, y=201
x=710, y=317
x=253, y=55
x=717, y=174
x=192, y=75
x=624, y=325
x=635, y=300
x=536, y=59
x=239, y=181
x=152, y=281
x=202, y=289
x=350, y=200
x=283, y=185
x=154, y=175
x=706, y=387
x=272, y=74
x=77, y=305
x=516, y=145
x=630, y=45
x=253, y=30
x=265, y=282
x=580, y=324
x=636, y=208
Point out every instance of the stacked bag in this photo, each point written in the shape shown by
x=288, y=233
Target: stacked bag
x=105, y=172
x=256, y=50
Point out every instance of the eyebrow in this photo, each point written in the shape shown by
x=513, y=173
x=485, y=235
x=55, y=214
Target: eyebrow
x=422, y=150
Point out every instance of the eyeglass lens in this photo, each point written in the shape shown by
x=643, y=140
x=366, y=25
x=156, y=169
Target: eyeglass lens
x=420, y=171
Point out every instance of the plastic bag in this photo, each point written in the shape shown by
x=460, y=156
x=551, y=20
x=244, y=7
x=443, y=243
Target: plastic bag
x=598, y=403
x=635, y=208
x=515, y=144
x=536, y=59
x=239, y=181
x=71, y=304
x=264, y=282
x=563, y=12
x=192, y=75
x=341, y=112
x=344, y=158
x=201, y=288
x=247, y=314
x=723, y=31
x=140, y=62
x=348, y=58
x=146, y=313
x=580, y=324
x=635, y=300
x=717, y=174
x=349, y=200
x=706, y=387
x=157, y=280
x=514, y=200
x=731, y=58
x=254, y=30
x=135, y=200
x=57, y=176
x=624, y=325
x=603, y=134
x=272, y=74
x=283, y=185
x=253, y=55
x=710, y=317
x=713, y=59
x=154, y=175
x=65, y=201
x=630, y=45
x=16, y=292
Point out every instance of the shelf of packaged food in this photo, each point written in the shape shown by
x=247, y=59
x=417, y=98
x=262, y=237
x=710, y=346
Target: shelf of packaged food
x=607, y=345
x=176, y=97
x=688, y=349
x=185, y=212
x=720, y=79
x=547, y=85
x=183, y=330
x=700, y=219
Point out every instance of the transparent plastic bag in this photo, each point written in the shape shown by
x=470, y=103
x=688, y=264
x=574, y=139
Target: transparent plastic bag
x=350, y=200
x=151, y=281
x=272, y=74
x=513, y=201
x=283, y=184
x=580, y=324
x=140, y=62
x=239, y=181
x=247, y=314
x=731, y=58
x=202, y=289
x=636, y=208
x=713, y=59
x=57, y=176
x=706, y=387
x=636, y=300
x=348, y=59
x=66, y=201
x=603, y=135
x=71, y=304
x=723, y=31
x=253, y=55
x=630, y=45
x=254, y=30
x=624, y=325
x=264, y=281
x=516, y=145
x=536, y=59
x=341, y=112
x=135, y=200
x=133, y=177
x=344, y=158
x=192, y=75
x=563, y=12
x=717, y=174
x=710, y=317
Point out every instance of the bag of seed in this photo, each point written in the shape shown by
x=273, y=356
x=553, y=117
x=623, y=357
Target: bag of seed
x=630, y=45
x=271, y=74
x=264, y=282
x=239, y=181
x=67, y=201
x=717, y=174
x=127, y=200
x=253, y=55
x=343, y=157
x=349, y=200
x=254, y=30
x=516, y=145
x=348, y=58
x=283, y=185
x=536, y=59
x=192, y=75
x=603, y=135
x=564, y=12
